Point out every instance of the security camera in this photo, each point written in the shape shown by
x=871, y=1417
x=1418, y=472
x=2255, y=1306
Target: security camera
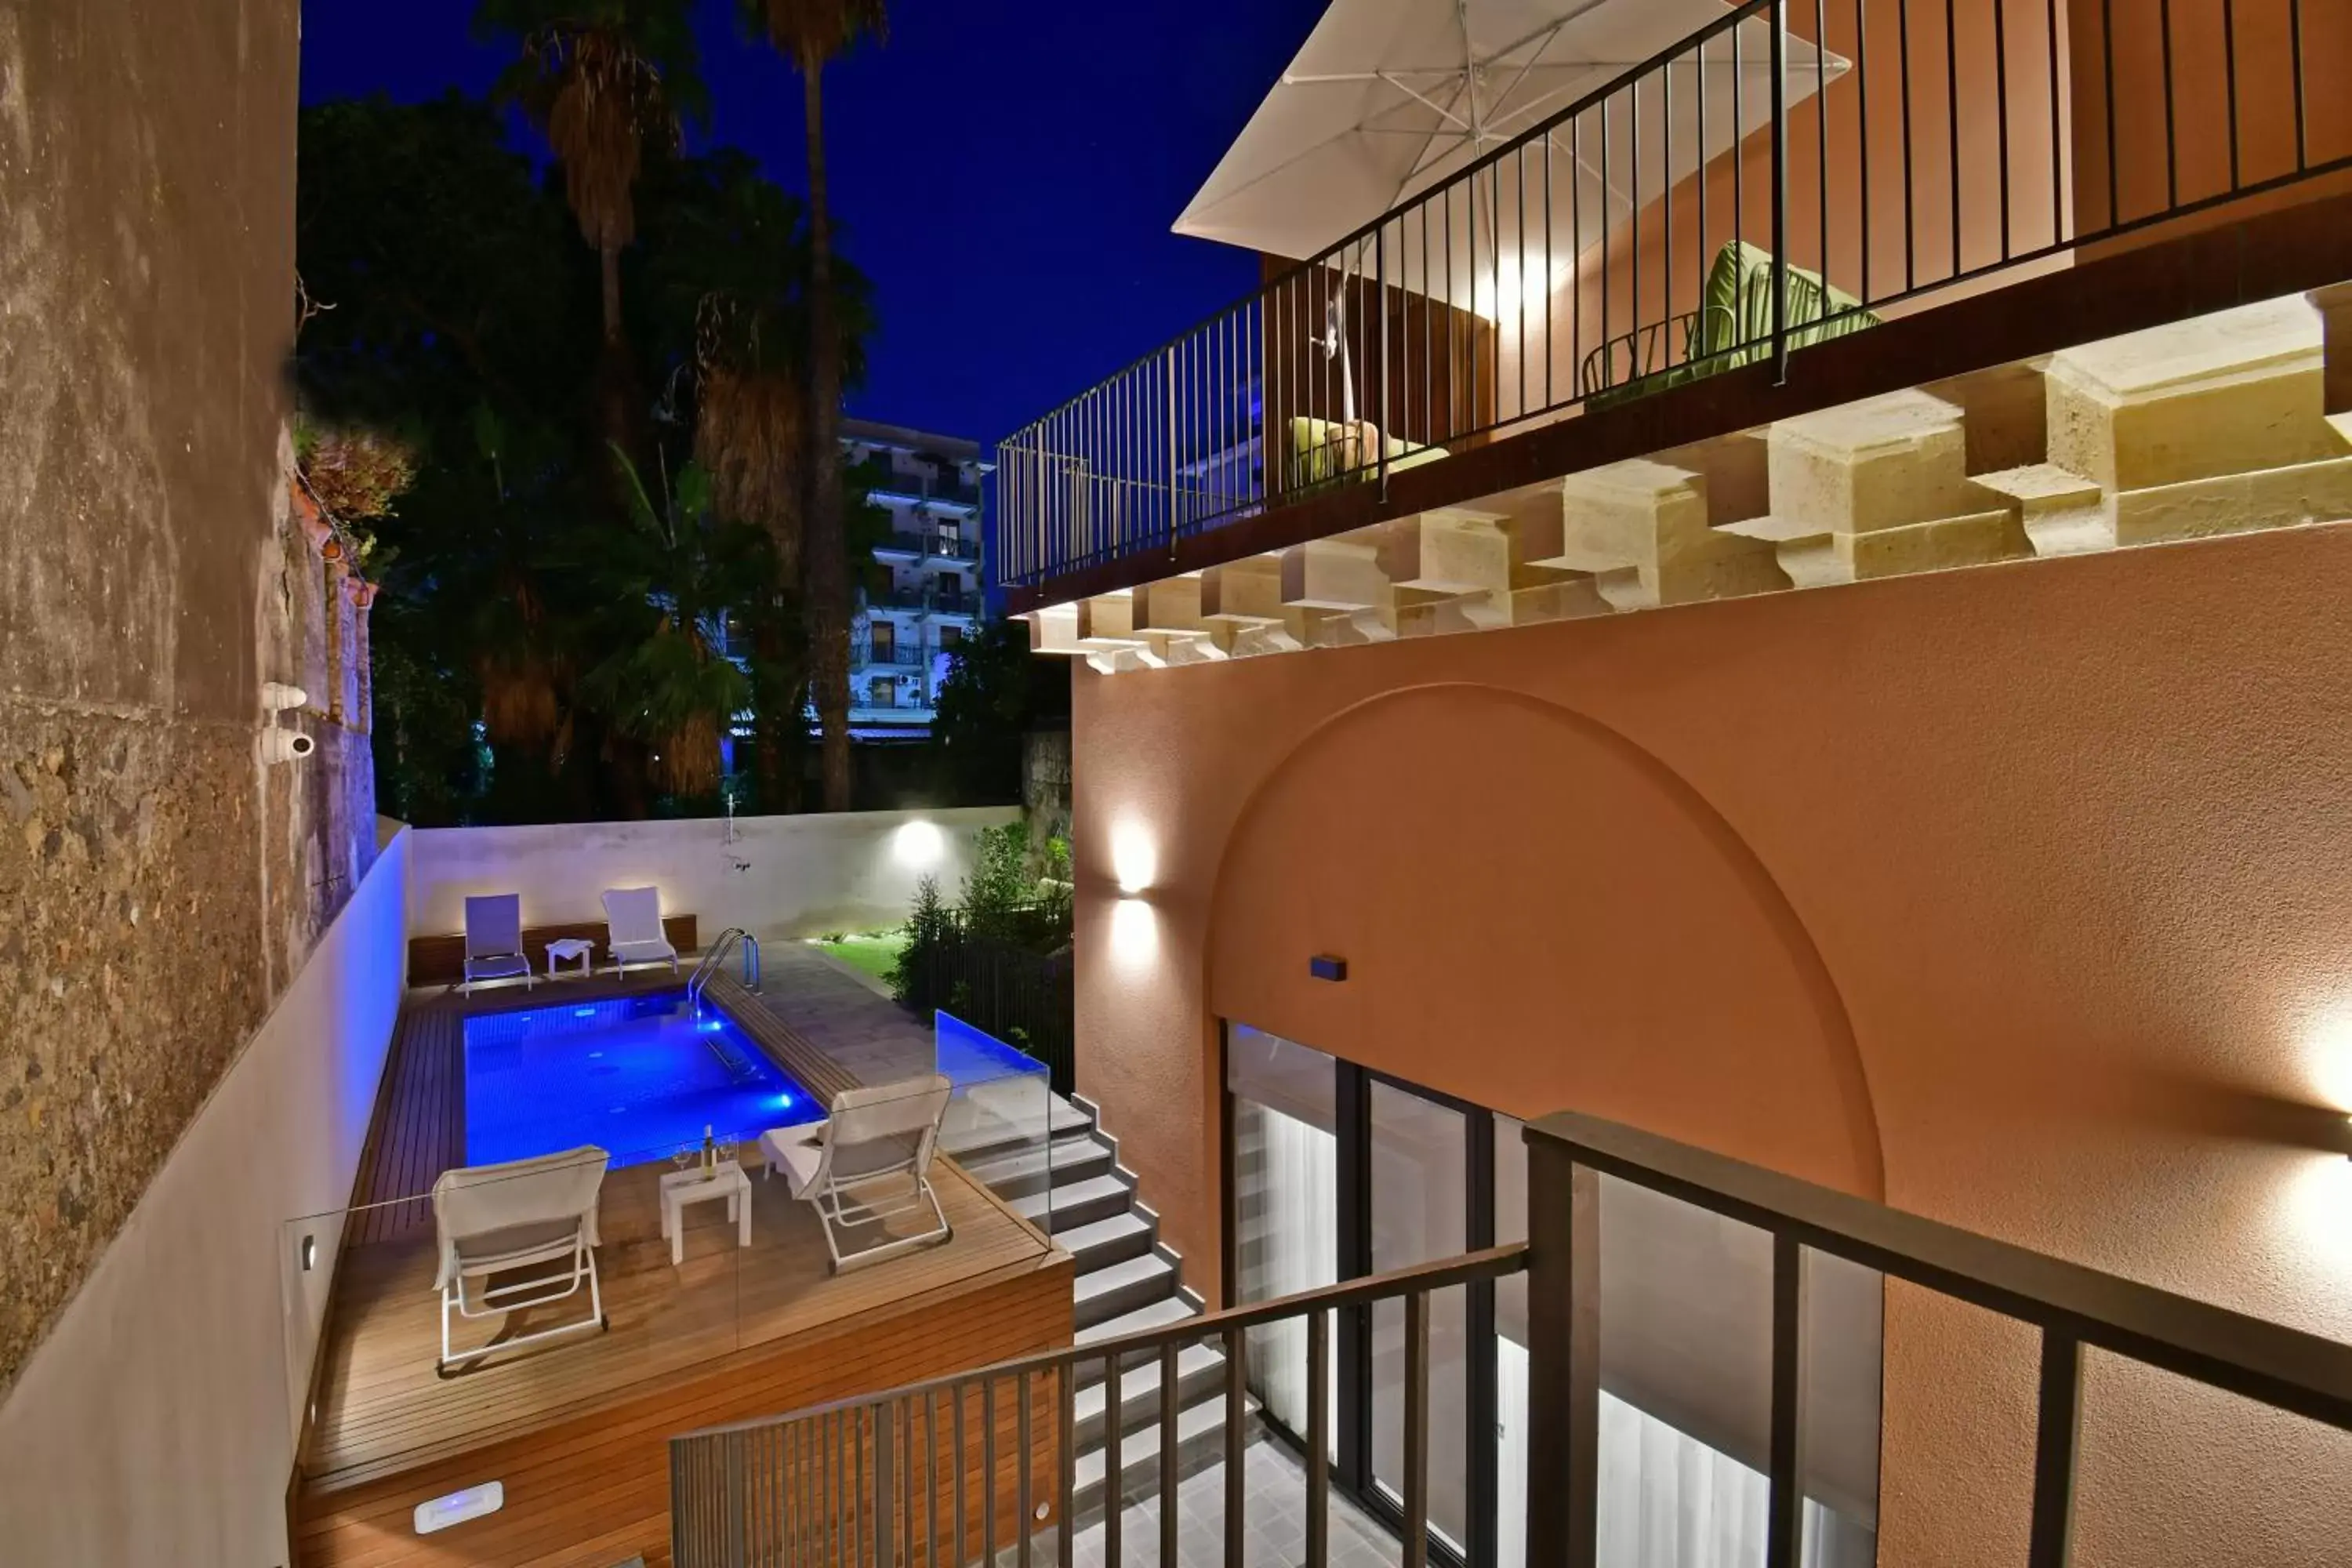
x=276, y=697
x=286, y=745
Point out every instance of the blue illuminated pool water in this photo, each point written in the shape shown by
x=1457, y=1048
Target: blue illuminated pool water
x=640, y=1076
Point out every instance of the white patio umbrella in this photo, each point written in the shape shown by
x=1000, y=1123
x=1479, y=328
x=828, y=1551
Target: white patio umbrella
x=1389, y=97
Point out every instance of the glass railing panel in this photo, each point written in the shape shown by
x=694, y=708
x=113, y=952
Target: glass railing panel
x=1000, y=1117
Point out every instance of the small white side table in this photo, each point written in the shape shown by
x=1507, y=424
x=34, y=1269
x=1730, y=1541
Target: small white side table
x=571, y=950
x=681, y=1188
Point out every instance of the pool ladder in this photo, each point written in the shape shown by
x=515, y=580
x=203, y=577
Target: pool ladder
x=716, y=955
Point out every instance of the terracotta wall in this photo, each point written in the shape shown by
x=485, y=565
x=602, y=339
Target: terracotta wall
x=2013, y=896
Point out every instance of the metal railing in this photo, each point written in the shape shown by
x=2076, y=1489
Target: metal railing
x=2072, y=1307
x=921, y=1474
x=918, y=1474
x=715, y=954
x=945, y=489
x=1776, y=177
x=891, y=655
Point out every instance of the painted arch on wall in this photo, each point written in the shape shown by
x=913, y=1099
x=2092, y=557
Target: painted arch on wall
x=1537, y=914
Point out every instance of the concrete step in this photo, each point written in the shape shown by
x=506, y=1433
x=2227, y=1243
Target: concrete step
x=1200, y=1443
x=1108, y=1241
x=1019, y=1171
x=1152, y=1315
x=1200, y=1370
x=1118, y=1289
x=1058, y=1209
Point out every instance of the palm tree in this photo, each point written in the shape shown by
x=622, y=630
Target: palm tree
x=729, y=283
x=603, y=80
x=671, y=687
x=811, y=34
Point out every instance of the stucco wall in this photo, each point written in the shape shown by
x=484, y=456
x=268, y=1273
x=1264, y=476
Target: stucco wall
x=159, y=887
x=156, y=1422
x=780, y=877
x=2014, y=896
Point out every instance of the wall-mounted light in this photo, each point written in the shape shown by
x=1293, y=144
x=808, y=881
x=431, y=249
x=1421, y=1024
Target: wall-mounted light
x=918, y=845
x=1134, y=860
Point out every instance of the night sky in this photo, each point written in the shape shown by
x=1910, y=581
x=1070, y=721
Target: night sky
x=1006, y=174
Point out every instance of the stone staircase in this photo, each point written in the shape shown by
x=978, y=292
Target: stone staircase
x=1127, y=1280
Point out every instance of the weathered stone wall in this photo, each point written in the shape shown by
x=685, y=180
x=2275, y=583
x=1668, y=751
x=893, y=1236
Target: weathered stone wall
x=1046, y=786
x=159, y=885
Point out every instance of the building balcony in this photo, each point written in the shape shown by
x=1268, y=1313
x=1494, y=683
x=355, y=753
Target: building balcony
x=866, y=655
x=1755, y=223
x=942, y=490
x=927, y=601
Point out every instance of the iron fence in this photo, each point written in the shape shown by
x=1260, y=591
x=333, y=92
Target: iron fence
x=1776, y=178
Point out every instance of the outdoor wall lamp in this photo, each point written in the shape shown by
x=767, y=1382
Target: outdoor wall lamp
x=918, y=845
x=1134, y=862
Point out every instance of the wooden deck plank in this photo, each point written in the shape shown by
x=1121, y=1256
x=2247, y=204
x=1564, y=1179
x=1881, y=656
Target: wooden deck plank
x=381, y=1410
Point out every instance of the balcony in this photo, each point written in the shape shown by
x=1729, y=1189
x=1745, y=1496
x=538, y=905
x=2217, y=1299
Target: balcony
x=926, y=601
x=1760, y=220
x=942, y=489
x=865, y=654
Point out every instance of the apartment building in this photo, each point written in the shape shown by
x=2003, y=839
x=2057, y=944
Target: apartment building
x=921, y=593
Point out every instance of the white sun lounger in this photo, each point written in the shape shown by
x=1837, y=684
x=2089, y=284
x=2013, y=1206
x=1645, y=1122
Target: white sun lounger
x=870, y=1161
x=632, y=928
x=503, y=1219
x=494, y=941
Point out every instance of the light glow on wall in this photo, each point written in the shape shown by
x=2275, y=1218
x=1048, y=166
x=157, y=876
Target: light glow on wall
x=1134, y=859
x=1134, y=932
x=918, y=845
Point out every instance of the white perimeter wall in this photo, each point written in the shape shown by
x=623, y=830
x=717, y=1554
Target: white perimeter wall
x=782, y=877
x=156, y=1422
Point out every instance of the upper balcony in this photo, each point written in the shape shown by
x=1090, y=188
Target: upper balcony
x=1794, y=206
x=945, y=491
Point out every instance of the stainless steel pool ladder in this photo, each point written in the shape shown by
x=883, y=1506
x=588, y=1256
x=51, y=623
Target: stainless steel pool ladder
x=715, y=954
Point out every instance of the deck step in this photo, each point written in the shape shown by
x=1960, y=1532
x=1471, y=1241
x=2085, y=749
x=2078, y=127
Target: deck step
x=1200, y=1368
x=1020, y=1171
x=1108, y=1241
x=1118, y=1289
x=1058, y=1209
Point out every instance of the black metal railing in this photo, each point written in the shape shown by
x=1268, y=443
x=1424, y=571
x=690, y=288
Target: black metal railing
x=2072, y=1307
x=964, y=1470
x=1775, y=178
x=924, y=1474
x=1026, y=998
x=867, y=654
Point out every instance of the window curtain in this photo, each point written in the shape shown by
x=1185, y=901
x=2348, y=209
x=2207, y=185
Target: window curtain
x=1287, y=1175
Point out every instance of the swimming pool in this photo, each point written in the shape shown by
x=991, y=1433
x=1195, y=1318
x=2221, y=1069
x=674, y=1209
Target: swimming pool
x=640, y=1076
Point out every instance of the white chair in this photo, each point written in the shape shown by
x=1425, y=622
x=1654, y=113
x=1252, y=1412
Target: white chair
x=867, y=1163
x=494, y=941
x=632, y=928
x=496, y=1219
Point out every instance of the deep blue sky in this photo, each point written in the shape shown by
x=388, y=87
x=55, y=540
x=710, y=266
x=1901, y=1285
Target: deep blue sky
x=1006, y=174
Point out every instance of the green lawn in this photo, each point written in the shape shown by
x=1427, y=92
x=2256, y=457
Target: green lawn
x=876, y=952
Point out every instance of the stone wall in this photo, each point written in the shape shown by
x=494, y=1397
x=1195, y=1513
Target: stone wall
x=1046, y=786
x=159, y=884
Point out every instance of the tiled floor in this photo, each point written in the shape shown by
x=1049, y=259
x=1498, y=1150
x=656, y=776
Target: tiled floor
x=1274, y=1515
x=865, y=1032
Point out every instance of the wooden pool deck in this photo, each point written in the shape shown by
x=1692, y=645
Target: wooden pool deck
x=384, y=1418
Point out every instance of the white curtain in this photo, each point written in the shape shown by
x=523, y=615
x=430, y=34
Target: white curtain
x=1289, y=1173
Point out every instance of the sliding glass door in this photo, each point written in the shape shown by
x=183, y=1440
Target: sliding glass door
x=1336, y=1172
